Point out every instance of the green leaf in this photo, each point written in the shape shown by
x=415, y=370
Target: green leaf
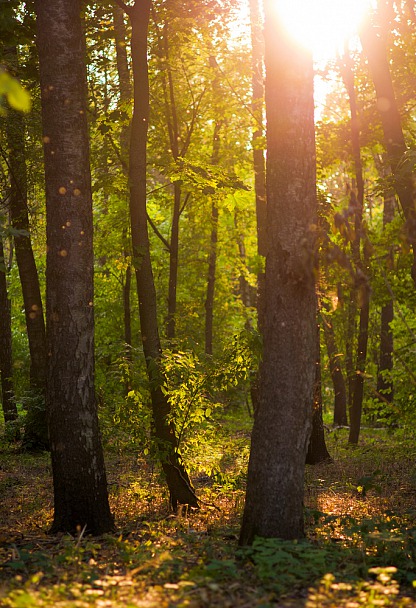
x=17, y=96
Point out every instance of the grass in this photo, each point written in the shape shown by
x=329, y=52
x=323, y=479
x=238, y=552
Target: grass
x=360, y=549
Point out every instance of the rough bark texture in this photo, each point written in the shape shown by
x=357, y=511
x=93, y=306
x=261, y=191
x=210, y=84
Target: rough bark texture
x=374, y=48
x=283, y=418
x=6, y=362
x=80, y=487
x=180, y=488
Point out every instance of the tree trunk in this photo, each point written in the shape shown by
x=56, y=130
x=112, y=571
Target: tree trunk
x=257, y=104
x=283, y=418
x=361, y=264
x=212, y=257
x=180, y=488
x=317, y=450
x=338, y=381
x=36, y=432
x=374, y=48
x=385, y=388
x=125, y=98
x=6, y=363
x=173, y=262
x=212, y=262
x=79, y=479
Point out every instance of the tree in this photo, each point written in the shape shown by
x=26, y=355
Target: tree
x=80, y=487
x=373, y=42
x=180, y=487
x=6, y=361
x=283, y=418
x=360, y=261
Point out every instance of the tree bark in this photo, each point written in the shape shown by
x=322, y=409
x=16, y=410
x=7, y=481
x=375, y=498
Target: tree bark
x=79, y=479
x=283, y=418
x=6, y=361
x=178, y=482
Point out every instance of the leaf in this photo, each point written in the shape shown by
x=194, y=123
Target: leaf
x=16, y=94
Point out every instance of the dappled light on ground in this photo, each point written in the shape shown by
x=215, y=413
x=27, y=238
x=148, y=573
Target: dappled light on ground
x=360, y=549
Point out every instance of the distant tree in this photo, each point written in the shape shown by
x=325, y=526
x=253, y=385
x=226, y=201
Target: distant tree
x=283, y=418
x=6, y=361
x=36, y=435
x=373, y=40
x=80, y=487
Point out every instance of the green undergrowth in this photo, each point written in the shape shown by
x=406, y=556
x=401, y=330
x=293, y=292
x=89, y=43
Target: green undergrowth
x=360, y=548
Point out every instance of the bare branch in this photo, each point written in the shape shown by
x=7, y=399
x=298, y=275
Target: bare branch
x=157, y=233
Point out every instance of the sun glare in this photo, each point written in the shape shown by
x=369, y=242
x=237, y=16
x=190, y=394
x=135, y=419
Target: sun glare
x=322, y=26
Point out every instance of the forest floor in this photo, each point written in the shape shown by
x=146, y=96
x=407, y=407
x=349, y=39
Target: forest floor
x=360, y=548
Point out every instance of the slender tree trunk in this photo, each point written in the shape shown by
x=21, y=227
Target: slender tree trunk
x=180, y=488
x=257, y=105
x=6, y=362
x=212, y=262
x=374, y=48
x=362, y=342
x=125, y=98
x=317, y=450
x=385, y=388
x=173, y=262
x=338, y=381
x=212, y=257
x=361, y=264
x=283, y=418
x=79, y=479
x=36, y=433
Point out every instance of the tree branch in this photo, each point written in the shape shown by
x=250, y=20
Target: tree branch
x=125, y=7
x=157, y=233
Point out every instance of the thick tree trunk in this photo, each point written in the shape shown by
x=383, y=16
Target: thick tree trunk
x=79, y=479
x=6, y=362
x=180, y=488
x=375, y=50
x=283, y=418
x=338, y=381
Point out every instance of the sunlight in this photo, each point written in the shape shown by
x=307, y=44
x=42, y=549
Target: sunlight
x=323, y=26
